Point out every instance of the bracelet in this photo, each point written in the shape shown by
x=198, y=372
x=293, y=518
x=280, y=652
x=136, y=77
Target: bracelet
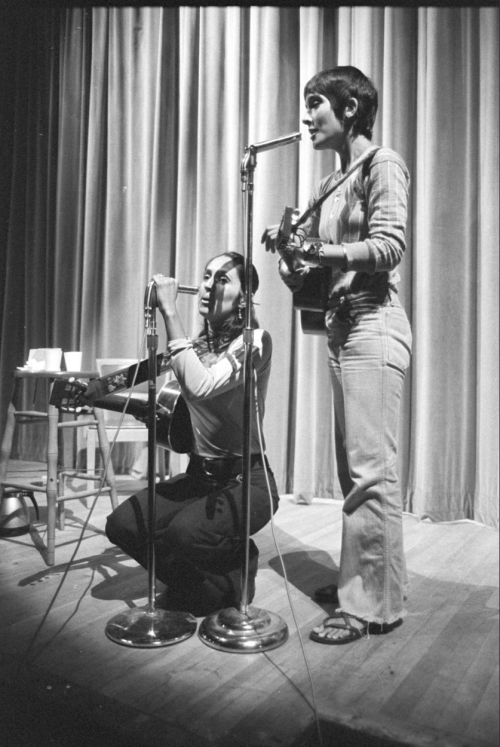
x=313, y=252
x=345, y=266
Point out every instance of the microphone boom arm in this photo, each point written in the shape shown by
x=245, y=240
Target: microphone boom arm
x=276, y=143
x=249, y=160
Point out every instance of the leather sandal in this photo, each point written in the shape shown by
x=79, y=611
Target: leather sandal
x=353, y=633
x=372, y=628
x=327, y=594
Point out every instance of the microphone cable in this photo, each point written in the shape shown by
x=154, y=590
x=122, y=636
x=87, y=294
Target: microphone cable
x=314, y=707
x=285, y=577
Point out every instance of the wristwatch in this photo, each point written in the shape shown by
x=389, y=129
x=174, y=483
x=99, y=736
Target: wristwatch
x=313, y=251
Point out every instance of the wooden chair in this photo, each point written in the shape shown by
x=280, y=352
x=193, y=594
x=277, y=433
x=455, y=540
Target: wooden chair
x=130, y=430
x=58, y=470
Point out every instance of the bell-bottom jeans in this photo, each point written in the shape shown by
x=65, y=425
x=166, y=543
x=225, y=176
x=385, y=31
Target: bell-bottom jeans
x=369, y=353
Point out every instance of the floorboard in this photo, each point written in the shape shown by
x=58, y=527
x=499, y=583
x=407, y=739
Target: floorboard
x=433, y=681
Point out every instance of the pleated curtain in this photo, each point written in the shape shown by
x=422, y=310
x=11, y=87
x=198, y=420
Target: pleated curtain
x=124, y=134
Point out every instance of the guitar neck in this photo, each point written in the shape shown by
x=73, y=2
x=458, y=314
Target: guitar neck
x=137, y=407
x=284, y=235
x=125, y=378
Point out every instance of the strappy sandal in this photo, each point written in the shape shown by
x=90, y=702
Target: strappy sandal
x=327, y=594
x=371, y=627
x=353, y=633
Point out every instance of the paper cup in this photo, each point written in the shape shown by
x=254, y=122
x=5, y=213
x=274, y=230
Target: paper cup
x=73, y=361
x=53, y=359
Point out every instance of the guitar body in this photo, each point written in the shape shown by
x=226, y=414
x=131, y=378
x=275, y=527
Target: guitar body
x=311, y=298
x=173, y=422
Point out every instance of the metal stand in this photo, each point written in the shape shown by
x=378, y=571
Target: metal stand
x=147, y=627
x=250, y=629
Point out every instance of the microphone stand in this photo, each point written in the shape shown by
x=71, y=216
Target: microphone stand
x=148, y=627
x=248, y=630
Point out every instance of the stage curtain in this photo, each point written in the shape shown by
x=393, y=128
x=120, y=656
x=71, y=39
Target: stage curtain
x=124, y=133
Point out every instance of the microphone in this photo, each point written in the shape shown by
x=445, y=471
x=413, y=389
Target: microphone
x=150, y=293
x=151, y=301
x=276, y=143
x=191, y=289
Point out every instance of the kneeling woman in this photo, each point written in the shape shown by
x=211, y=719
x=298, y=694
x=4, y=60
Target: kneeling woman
x=198, y=532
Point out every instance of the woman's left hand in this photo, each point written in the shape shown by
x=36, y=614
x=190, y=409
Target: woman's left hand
x=166, y=292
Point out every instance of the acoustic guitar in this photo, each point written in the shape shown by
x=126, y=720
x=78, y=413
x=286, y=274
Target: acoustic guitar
x=173, y=423
x=311, y=298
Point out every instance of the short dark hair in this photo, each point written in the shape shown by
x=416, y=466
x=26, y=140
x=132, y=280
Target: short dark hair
x=340, y=84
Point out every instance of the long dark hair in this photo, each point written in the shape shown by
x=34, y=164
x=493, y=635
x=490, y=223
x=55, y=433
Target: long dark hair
x=217, y=340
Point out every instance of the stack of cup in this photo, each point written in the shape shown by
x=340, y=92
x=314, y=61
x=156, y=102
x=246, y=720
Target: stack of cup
x=53, y=359
x=73, y=360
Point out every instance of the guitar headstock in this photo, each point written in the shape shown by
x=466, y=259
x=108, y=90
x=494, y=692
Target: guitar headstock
x=286, y=225
x=67, y=394
x=286, y=230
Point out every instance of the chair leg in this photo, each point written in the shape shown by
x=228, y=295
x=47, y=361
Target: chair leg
x=7, y=443
x=161, y=453
x=52, y=491
x=91, y=447
x=104, y=449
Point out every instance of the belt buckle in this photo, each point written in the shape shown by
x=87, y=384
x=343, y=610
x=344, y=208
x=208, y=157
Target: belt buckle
x=206, y=467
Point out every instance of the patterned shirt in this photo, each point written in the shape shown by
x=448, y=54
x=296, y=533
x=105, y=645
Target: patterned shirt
x=213, y=388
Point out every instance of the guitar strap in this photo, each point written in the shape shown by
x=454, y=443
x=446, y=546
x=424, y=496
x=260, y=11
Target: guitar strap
x=305, y=216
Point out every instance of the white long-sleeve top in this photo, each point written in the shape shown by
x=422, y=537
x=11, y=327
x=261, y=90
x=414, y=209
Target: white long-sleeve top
x=214, y=393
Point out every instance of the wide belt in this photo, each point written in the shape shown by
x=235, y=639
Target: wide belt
x=219, y=468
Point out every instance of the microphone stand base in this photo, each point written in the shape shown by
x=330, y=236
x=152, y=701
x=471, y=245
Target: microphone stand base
x=143, y=627
x=239, y=632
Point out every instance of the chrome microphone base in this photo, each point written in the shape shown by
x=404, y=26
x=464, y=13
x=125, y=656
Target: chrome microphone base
x=144, y=627
x=243, y=632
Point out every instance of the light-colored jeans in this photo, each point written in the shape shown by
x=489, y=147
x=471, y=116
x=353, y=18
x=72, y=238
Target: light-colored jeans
x=368, y=357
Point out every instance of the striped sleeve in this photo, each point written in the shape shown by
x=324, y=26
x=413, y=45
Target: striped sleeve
x=386, y=192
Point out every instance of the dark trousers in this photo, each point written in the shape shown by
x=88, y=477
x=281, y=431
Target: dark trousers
x=199, y=537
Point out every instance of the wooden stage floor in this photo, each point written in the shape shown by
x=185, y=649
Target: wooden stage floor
x=433, y=681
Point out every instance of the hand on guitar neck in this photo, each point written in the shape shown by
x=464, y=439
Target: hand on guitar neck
x=280, y=238
x=309, y=285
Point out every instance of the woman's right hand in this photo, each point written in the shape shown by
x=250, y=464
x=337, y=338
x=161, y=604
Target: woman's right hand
x=293, y=279
x=166, y=293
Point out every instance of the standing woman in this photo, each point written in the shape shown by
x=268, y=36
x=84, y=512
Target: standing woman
x=198, y=533
x=358, y=232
